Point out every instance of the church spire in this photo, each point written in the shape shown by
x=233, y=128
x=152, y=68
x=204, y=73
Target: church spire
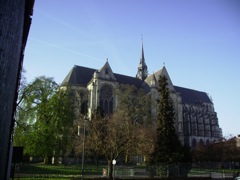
x=142, y=67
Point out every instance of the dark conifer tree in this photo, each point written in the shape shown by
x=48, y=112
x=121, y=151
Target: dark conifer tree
x=168, y=148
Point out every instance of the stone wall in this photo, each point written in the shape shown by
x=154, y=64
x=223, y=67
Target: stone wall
x=200, y=124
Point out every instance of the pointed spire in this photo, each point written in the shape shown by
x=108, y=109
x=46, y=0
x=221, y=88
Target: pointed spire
x=142, y=67
x=142, y=59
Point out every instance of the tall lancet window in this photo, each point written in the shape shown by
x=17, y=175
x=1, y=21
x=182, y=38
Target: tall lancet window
x=106, y=99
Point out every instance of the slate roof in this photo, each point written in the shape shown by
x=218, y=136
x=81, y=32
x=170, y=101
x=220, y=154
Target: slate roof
x=81, y=76
x=78, y=76
x=190, y=96
x=122, y=79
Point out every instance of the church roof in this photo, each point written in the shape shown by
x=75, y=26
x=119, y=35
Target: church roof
x=122, y=79
x=190, y=96
x=78, y=76
x=81, y=76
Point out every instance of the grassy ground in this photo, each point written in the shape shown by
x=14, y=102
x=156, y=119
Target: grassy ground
x=58, y=169
x=47, y=178
x=196, y=178
x=55, y=171
x=62, y=172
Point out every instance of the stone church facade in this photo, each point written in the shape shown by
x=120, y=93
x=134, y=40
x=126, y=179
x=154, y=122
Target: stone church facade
x=196, y=119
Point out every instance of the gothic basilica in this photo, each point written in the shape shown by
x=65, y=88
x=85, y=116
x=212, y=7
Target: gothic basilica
x=196, y=120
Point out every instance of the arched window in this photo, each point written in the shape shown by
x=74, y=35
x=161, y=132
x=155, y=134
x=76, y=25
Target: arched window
x=106, y=99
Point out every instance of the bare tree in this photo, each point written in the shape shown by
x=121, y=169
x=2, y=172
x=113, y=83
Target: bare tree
x=111, y=136
x=124, y=131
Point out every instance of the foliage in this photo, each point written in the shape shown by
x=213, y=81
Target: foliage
x=44, y=116
x=146, y=139
x=135, y=103
x=168, y=151
x=223, y=151
x=118, y=134
x=110, y=136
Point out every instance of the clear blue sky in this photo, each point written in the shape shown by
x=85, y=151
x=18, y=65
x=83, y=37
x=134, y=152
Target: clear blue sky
x=199, y=42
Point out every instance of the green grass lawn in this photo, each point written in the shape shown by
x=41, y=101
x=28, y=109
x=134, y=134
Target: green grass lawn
x=62, y=172
x=42, y=171
x=44, y=178
x=56, y=171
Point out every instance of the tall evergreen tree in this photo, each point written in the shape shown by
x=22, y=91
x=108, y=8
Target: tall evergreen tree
x=168, y=148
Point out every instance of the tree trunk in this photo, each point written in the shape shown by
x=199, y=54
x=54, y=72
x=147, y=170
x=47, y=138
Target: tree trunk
x=48, y=160
x=110, y=169
x=126, y=158
x=96, y=161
